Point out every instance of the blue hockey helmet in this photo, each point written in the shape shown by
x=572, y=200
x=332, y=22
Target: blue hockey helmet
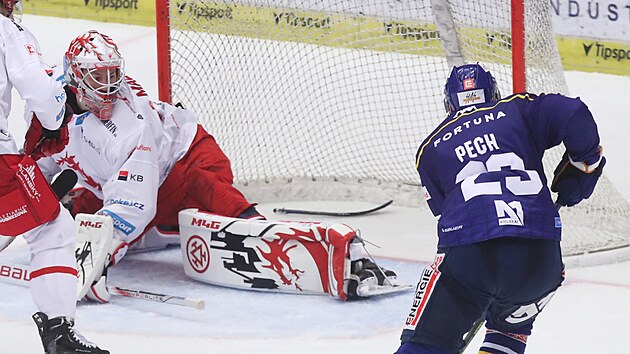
x=468, y=85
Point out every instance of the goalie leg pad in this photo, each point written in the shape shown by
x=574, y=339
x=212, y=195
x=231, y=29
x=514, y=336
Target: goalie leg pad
x=293, y=257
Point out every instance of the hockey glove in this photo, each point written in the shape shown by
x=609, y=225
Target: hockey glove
x=40, y=142
x=572, y=184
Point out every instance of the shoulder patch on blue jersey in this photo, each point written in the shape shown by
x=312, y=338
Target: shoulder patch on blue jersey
x=427, y=196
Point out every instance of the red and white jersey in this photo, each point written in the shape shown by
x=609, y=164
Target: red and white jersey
x=24, y=69
x=124, y=160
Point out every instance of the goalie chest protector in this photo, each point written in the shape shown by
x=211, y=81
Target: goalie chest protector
x=291, y=257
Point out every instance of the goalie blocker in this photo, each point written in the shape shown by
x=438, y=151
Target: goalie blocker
x=289, y=257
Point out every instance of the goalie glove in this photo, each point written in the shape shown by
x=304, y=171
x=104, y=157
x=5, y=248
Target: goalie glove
x=575, y=181
x=40, y=142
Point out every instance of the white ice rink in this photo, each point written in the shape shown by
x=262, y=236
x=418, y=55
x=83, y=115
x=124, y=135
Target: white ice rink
x=589, y=314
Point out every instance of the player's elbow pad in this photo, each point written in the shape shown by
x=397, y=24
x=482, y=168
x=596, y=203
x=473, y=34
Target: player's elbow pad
x=574, y=184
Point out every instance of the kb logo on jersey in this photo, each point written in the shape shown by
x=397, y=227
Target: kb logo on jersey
x=126, y=176
x=509, y=213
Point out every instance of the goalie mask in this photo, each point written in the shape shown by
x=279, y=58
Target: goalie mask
x=93, y=68
x=12, y=8
x=468, y=85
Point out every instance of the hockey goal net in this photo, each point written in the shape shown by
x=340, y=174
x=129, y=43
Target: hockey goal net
x=329, y=99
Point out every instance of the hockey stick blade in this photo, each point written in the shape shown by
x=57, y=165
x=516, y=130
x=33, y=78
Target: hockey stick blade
x=64, y=183
x=199, y=304
x=331, y=213
x=19, y=274
x=383, y=290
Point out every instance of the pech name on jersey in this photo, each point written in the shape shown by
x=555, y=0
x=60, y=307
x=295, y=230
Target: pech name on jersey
x=468, y=124
x=479, y=145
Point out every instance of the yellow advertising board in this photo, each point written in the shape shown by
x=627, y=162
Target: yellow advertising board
x=594, y=55
x=321, y=28
x=135, y=12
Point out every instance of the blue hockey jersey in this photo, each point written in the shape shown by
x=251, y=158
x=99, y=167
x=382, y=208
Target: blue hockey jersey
x=482, y=169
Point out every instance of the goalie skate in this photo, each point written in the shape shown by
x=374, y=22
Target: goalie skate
x=368, y=279
x=94, y=239
x=370, y=290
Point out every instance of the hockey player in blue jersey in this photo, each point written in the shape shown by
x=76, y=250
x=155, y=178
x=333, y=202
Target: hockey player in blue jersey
x=499, y=231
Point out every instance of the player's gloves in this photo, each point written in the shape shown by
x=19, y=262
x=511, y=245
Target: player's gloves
x=40, y=142
x=573, y=184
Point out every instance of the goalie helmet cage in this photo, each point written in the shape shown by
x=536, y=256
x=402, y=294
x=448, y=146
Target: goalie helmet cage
x=329, y=99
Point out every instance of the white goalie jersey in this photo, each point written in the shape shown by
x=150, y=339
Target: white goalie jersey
x=124, y=160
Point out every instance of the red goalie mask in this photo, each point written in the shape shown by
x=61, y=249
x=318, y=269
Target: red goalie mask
x=11, y=6
x=93, y=66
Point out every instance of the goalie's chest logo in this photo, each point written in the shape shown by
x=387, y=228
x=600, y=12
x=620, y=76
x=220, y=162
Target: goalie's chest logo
x=198, y=254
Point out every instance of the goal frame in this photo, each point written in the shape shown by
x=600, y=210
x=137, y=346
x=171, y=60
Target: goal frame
x=514, y=43
x=163, y=38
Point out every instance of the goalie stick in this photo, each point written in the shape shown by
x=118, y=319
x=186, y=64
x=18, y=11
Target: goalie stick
x=63, y=184
x=18, y=274
x=331, y=213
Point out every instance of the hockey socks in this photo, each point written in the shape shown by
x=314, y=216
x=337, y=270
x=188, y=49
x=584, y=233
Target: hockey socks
x=503, y=343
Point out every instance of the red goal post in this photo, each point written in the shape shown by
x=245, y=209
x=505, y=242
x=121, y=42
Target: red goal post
x=164, y=57
x=328, y=100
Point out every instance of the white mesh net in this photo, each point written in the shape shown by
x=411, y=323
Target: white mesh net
x=330, y=99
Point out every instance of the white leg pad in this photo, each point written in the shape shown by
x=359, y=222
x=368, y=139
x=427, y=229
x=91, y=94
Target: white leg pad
x=292, y=257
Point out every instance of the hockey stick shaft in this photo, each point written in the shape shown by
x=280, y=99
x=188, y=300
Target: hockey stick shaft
x=64, y=183
x=163, y=298
x=18, y=274
x=331, y=213
x=472, y=333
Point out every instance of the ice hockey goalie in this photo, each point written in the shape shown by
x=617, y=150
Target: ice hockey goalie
x=291, y=257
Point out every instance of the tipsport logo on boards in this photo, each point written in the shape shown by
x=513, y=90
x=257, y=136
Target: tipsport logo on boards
x=114, y=4
x=606, y=52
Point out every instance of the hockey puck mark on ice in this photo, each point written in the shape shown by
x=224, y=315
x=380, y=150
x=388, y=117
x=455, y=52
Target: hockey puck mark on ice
x=198, y=254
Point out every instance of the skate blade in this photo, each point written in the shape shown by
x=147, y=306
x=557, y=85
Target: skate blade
x=367, y=290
